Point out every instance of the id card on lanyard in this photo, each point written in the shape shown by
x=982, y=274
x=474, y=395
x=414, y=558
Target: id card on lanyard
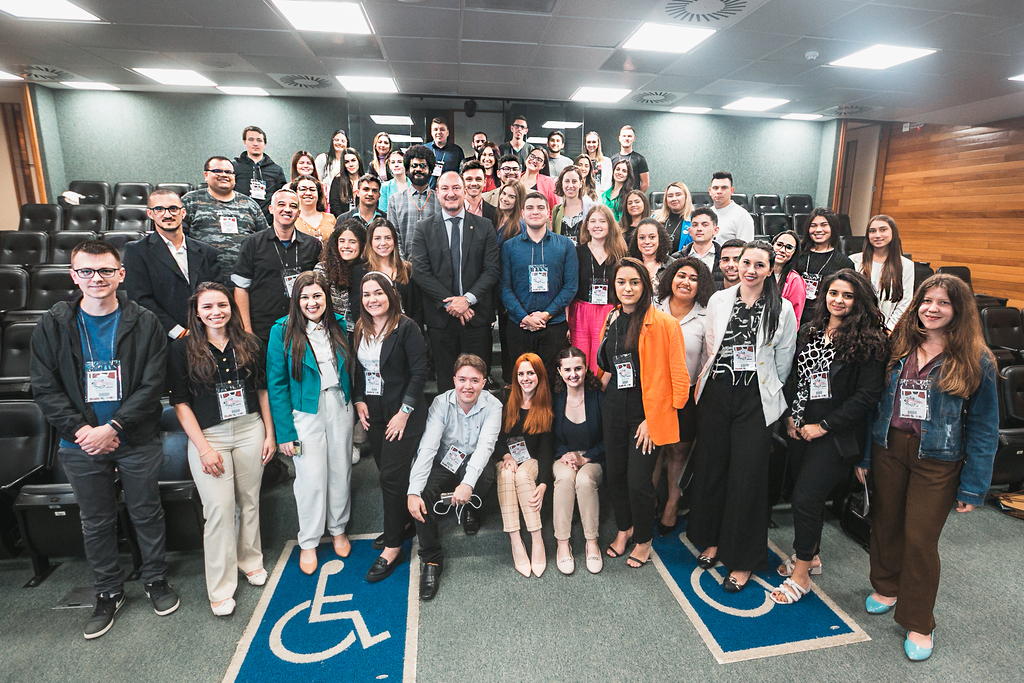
x=624, y=371
x=102, y=377
x=914, y=399
x=257, y=189
x=812, y=280
x=453, y=459
x=599, y=291
x=538, y=279
x=743, y=358
x=374, y=382
x=820, y=388
x=518, y=450
x=230, y=400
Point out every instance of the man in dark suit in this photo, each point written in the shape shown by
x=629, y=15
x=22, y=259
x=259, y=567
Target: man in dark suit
x=474, y=180
x=457, y=283
x=163, y=269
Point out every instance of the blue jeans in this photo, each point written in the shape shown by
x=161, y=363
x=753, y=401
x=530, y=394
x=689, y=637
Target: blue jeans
x=93, y=480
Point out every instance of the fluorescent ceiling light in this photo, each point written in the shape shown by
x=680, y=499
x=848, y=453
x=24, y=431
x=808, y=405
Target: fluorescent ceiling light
x=534, y=140
x=243, y=90
x=1016, y=78
x=755, y=104
x=405, y=138
x=368, y=83
x=667, y=38
x=383, y=120
x=175, y=76
x=4, y=76
x=690, y=110
x=89, y=85
x=882, y=57
x=802, y=117
x=589, y=94
x=568, y=125
x=57, y=10
x=325, y=17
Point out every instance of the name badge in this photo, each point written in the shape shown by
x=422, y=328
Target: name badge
x=374, y=382
x=228, y=225
x=438, y=168
x=624, y=376
x=230, y=400
x=453, y=459
x=538, y=279
x=290, y=275
x=820, y=386
x=743, y=357
x=257, y=189
x=812, y=281
x=102, y=381
x=599, y=291
x=518, y=450
x=914, y=399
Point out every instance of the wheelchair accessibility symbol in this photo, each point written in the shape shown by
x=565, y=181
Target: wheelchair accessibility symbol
x=317, y=616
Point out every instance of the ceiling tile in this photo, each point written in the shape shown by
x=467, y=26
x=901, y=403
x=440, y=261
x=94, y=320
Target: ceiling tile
x=687, y=84
x=592, y=32
x=413, y=21
x=112, y=74
x=1003, y=9
x=743, y=44
x=421, y=49
x=136, y=58
x=560, y=57
x=287, y=65
x=358, y=67
x=251, y=80
x=771, y=72
x=490, y=73
x=343, y=45
x=478, y=25
x=955, y=32
x=639, y=61
x=1008, y=42
x=490, y=89
x=86, y=35
x=214, y=61
x=230, y=14
x=796, y=17
x=434, y=71
x=878, y=24
x=428, y=87
x=726, y=87
x=171, y=38
x=513, y=54
x=527, y=6
x=606, y=9
x=707, y=65
x=158, y=12
x=828, y=51
x=266, y=43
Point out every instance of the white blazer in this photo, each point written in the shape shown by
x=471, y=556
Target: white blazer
x=774, y=359
x=892, y=311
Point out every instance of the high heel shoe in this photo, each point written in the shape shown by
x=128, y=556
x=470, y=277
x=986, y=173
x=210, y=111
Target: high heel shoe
x=522, y=562
x=538, y=567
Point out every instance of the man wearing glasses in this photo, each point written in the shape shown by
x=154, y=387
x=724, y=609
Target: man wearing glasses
x=518, y=144
x=220, y=216
x=509, y=170
x=418, y=201
x=163, y=269
x=97, y=367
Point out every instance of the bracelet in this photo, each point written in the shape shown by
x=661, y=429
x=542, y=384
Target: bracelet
x=207, y=451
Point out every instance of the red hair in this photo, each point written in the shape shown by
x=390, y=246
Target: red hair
x=541, y=415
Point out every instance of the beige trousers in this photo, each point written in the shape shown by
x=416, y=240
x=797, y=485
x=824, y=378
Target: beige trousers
x=571, y=486
x=514, y=491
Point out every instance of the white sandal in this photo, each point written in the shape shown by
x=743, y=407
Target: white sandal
x=790, y=564
x=791, y=592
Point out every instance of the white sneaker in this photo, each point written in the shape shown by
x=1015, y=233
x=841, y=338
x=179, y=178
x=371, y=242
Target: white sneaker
x=355, y=455
x=224, y=609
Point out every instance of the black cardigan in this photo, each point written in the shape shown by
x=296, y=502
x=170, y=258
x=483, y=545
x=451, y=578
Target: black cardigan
x=403, y=367
x=594, y=448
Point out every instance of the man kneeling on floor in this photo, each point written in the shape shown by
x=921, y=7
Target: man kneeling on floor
x=462, y=426
x=98, y=366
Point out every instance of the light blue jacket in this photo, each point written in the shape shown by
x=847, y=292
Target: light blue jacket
x=285, y=393
x=958, y=428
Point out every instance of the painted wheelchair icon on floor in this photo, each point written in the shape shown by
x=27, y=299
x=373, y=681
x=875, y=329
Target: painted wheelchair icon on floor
x=760, y=610
x=316, y=616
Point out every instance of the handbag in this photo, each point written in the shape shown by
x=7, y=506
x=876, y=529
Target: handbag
x=1012, y=504
x=856, y=519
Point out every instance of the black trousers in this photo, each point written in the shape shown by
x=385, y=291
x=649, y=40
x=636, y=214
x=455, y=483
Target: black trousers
x=629, y=471
x=394, y=460
x=729, y=493
x=439, y=481
x=819, y=469
x=447, y=343
x=545, y=343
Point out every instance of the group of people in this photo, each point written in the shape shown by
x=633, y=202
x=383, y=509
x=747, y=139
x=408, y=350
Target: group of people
x=630, y=343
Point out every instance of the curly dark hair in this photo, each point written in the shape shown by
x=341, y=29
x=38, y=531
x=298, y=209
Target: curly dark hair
x=339, y=272
x=664, y=243
x=861, y=334
x=590, y=382
x=705, y=280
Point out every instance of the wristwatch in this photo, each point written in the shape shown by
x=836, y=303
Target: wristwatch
x=406, y=408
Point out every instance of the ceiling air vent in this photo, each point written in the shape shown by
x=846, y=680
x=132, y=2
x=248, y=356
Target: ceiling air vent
x=43, y=74
x=847, y=110
x=655, y=97
x=704, y=11
x=300, y=82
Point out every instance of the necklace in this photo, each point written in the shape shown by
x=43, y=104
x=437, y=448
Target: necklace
x=584, y=398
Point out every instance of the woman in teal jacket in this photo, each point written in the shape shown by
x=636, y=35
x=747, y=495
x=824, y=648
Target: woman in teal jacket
x=310, y=400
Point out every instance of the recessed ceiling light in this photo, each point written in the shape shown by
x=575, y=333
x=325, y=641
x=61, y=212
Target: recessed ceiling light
x=754, y=104
x=802, y=117
x=405, y=138
x=4, y=76
x=882, y=56
x=325, y=17
x=667, y=38
x=243, y=90
x=383, y=120
x=57, y=10
x=568, y=125
x=175, y=76
x=535, y=140
x=1016, y=78
x=690, y=110
x=89, y=85
x=589, y=94
x=368, y=83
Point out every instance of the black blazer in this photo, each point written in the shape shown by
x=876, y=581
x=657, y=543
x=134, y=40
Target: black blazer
x=432, y=268
x=490, y=212
x=403, y=367
x=595, y=433
x=412, y=299
x=154, y=280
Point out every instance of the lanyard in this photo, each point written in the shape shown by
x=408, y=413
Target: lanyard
x=420, y=207
x=830, y=255
x=277, y=250
x=604, y=266
x=533, y=248
x=83, y=329
x=234, y=361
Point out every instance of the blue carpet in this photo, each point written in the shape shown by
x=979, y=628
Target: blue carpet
x=748, y=625
x=332, y=625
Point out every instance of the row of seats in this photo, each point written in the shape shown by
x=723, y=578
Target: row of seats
x=791, y=205
x=99, y=192
x=1008, y=468
x=84, y=217
x=19, y=248
x=1003, y=328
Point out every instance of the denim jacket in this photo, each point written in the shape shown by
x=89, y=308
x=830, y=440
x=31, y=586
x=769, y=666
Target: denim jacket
x=958, y=428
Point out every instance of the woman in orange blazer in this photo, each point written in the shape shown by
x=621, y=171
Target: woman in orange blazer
x=644, y=360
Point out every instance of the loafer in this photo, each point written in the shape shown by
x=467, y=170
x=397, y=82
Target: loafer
x=471, y=521
x=163, y=597
x=410, y=532
x=378, y=543
x=875, y=607
x=665, y=529
x=257, y=579
x=224, y=609
x=915, y=652
x=430, y=579
x=382, y=569
x=102, y=618
x=705, y=562
x=731, y=585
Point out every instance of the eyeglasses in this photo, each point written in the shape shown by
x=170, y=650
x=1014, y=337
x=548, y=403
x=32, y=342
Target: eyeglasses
x=219, y=171
x=508, y=169
x=165, y=209
x=518, y=126
x=785, y=247
x=414, y=164
x=88, y=273
x=539, y=160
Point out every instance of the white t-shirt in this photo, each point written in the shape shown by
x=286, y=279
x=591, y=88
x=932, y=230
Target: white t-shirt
x=892, y=311
x=734, y=223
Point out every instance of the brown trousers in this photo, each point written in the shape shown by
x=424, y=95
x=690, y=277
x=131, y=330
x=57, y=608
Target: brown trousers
x=912, y=498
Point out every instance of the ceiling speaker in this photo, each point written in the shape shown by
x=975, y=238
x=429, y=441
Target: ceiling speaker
x=655, y=97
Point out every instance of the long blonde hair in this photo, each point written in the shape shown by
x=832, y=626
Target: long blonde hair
x=664, y=212
x=614, y=243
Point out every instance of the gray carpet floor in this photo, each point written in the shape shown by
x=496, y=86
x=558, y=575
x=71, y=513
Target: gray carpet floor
x=490, y=624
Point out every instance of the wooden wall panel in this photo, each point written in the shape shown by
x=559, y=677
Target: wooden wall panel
x=957, y=194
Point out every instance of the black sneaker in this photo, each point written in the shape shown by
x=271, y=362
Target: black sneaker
x=165, y=600
x=103, y=616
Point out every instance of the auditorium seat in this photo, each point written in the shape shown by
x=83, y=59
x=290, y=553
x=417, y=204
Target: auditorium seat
x=766, y=203
x=130, y=217
x=657, y=199
x=774, y=223
x=13, y=288
x=86, y=218
x=119, y=238
x=742, y=200
x=1004, y=334
x=797, y=203
x=962, y=272
x=799, y=222
x=41, y=217
x=131, y=193
x=1008, y=468
x=180, y=188
x=95, y=191
x=922, y=271
x=844, y=225
x=23, y=248
x=702, y=199
x=14, y=361
x=853, y=244
x=49, y=285
x=62, y=243
x=25, y=440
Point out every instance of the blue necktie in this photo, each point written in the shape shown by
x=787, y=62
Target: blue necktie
x=456, y=255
